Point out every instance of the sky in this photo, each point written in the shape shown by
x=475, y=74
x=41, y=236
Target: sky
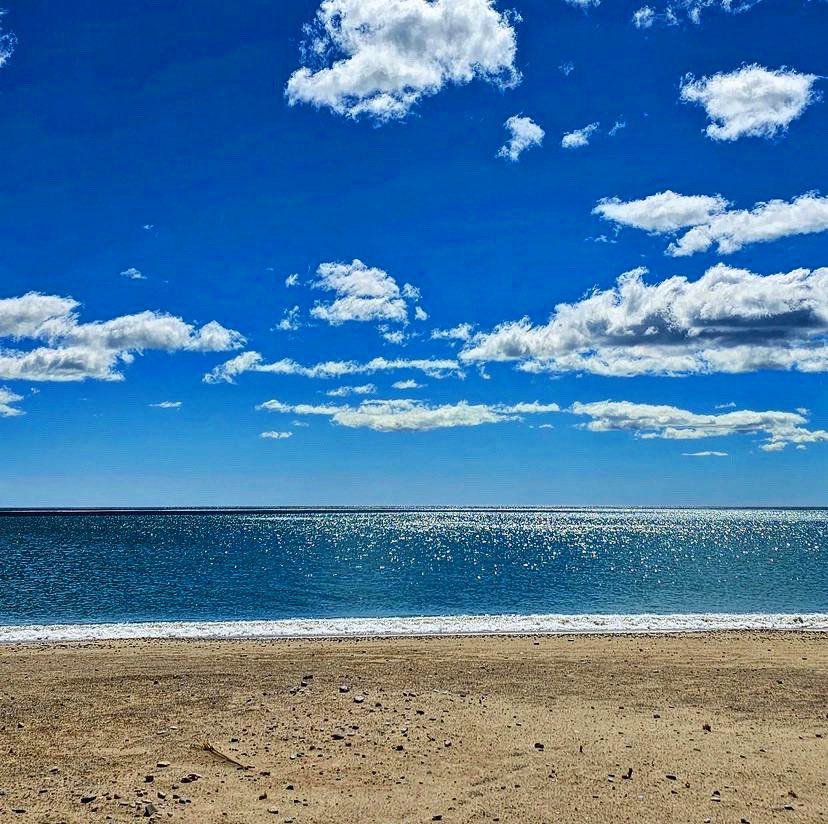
x=422, y=252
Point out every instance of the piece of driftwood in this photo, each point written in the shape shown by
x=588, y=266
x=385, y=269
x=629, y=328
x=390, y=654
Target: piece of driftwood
x=229, y=758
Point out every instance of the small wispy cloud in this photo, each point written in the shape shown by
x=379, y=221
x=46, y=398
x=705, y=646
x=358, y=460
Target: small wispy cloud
x=133, y=274
x=346, y=391
x=580, y=137
x=290, y=321
x=276, y=436
x=292, y=280
x=523, y=134
x=167, y=405
x=708, y=453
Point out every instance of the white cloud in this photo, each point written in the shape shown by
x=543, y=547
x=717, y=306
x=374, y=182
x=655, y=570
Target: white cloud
x=290, y=320
x=7, y=398
x=750, y=102
x=363, y=293
x=523, y=134
x=616, y=127
x=407, y=384
x=292, y=280
x=96, y=350
x=167, y=405
x=567, y=68
x=709, y=221
x=583, y=4
x=254, y=362
x=133, y=274
x=408, y=415
x=644, y=17
x=420, y=313
x=7, y=43
x=729, y=320
x=463, y=331
x=579, y=138
x=673, y=13
x=345, y=391
x=663, y=212
x=395, y=336
x=709, y=453
x=276, y=436
x=377, y=59
x=649, y=421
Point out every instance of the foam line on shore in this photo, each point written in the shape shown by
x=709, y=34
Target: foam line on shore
x=416, y=626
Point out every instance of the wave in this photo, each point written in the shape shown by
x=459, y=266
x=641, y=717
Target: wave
x=417, y=626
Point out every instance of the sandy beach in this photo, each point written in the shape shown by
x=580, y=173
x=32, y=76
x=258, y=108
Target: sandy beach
x=728, y=727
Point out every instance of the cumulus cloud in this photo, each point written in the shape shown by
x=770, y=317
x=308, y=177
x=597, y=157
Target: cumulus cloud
x=345, y=391
x=650, y=421
x=254, y=362
x=377, y=59
x=523, y=134
x=292, y=280
x=167, y=405
x=408, y=415
x=133, y=274
x=709, y=221
x=750, y=102
x=729, y=320
x=75, y=351
x=276, y=436
x=407, y=384
x=579, y=138
x=363, y=293
x=7, y=398
x=663, y=212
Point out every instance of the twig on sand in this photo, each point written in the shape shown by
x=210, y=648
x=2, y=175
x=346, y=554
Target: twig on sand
x=217, y=752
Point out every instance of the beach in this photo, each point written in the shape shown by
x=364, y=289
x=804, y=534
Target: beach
x=719, y=727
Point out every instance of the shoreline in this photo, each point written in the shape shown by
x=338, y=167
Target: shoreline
x=419, y=627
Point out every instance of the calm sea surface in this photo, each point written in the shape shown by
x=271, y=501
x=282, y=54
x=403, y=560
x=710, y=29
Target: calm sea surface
x=222, y=566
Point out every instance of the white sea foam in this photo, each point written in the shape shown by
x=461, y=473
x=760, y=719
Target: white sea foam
x=418, y=626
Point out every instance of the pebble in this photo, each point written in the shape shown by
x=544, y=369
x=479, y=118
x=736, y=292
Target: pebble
x=88, y=799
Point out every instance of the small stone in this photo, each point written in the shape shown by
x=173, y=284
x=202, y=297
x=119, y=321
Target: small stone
x=88, y=799
x=149, y=810
x=263, y=796
x=162, y=764
x=148, y=779
x=628, y=774
x=358, y=699
x=706, y=727
x=671, y=777
x=343, y=688
x=538, y=745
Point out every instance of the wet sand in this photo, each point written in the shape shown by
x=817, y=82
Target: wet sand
x=730, y=727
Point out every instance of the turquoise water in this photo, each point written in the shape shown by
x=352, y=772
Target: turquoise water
x=270, y=565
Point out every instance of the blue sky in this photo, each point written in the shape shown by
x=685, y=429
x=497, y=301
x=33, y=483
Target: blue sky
x=185, y=145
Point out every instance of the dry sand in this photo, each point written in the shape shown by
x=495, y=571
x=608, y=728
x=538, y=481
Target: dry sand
x=720, y=728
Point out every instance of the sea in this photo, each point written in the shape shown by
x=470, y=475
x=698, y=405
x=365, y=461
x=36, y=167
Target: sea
x=301, y=572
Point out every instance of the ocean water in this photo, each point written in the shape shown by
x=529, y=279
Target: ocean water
x=284, y=572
